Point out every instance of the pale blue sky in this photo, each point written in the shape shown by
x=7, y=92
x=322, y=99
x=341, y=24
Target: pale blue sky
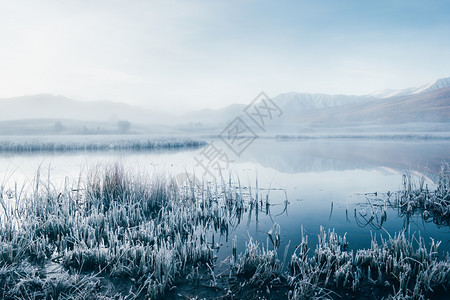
x=182, y=55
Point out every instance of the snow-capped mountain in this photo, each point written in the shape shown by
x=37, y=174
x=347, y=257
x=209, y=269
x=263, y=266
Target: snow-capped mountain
x=304, y=102
x=431, y=105
x=438, y=84
x=301, y=102
x=435, y=85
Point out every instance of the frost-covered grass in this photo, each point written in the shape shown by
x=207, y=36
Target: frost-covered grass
x=146, y=230
x=416, y=198
x=125, y=235
x=434, y=204
x=398, y=267
x=14, y=144
x=444, y=135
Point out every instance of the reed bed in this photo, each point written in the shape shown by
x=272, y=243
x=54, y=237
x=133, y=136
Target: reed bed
x=147, y=231
x=86, y=143
x=415, y=199
x=432, y=204
x=396, y=267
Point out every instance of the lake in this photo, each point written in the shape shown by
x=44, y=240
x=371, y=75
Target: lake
x=324, y=181
x=335, y=183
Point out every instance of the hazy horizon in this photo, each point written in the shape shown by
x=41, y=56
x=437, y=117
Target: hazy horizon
x=225, y=105
x=179, y=56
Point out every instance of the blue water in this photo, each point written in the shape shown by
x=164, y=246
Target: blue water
x=323, y=182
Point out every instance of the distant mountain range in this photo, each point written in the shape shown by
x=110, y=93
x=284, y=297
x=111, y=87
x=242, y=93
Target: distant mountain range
x=428, y=103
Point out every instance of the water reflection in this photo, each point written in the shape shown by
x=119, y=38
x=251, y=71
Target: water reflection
x=289, y=182
x=374, y=213
x=295, y=156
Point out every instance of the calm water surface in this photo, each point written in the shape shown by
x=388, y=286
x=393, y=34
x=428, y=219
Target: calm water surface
x=323, y=182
